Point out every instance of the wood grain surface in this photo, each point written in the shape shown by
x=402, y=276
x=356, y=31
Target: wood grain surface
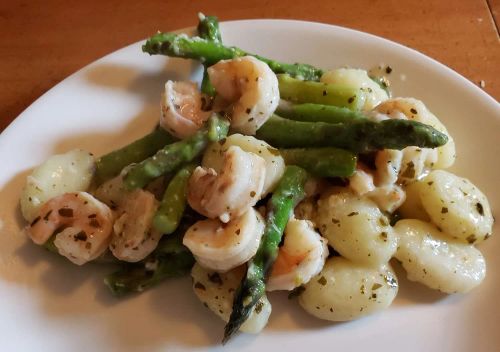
x=42, y=42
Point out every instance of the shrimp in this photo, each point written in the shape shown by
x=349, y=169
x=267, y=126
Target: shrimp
x=301, y=257
x=82, y=225
x=275, y=164
x=222, y=247
x=232, y=191
x=182, y=108
x=134, y=238
x=251, y=89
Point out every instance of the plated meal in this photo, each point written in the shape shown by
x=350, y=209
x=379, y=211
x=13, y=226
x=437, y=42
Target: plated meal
x=272, y=176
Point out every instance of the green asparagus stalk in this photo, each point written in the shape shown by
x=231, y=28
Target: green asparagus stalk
x=322, y=162
x=111, y=164
x=309, y=112
x=172, y=156
x=173, y=204
x=208, y=28
x=289, y=192
x=358, y=136
x=299, y=91
x=180, y=45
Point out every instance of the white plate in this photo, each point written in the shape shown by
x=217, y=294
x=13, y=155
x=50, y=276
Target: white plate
x=47, y=304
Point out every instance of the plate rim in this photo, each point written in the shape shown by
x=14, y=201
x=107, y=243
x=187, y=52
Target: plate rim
x=418, y=56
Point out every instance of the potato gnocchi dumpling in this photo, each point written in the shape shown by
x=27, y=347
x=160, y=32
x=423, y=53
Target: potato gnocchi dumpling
x=433, y=259
x=345, y=291
x=356, y=227
x=59, y=174
x=274, y=162
x=412, y=207
x=216, y=291
x=357, y=78
x=456, y=206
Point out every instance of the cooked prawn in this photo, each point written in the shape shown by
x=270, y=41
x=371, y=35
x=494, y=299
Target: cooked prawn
x=134, y=238
x=82, y=225
x=222, y=247
x=301, y=257
x=182, y=108
x=231, y=192
x=251, y=89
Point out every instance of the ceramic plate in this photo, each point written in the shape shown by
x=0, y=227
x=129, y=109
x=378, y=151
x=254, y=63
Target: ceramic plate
x=48, y=304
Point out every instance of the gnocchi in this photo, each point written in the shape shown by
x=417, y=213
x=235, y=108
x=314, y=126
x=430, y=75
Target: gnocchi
x=356, y=227
x=458, y=207
x=412, y=207
x=357, y=78
x=433, y=259
x=344, y=290
x=62, y=173
x=216, y=291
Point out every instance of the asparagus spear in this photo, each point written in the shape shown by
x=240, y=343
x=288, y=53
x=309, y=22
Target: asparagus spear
x=180, y=45
x=299, y=91
x=208, y=28
x=323, y=162
x=289, y=192
x=309, y=112
x=173, y=204
x=110, y=165
x=358, y=136
x=173, y=155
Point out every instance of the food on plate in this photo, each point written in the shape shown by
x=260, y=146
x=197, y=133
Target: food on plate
x=346, y=290
x=272, y=176
x=433, y=258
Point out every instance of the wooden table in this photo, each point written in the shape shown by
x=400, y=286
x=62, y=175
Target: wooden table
x=42, y=42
